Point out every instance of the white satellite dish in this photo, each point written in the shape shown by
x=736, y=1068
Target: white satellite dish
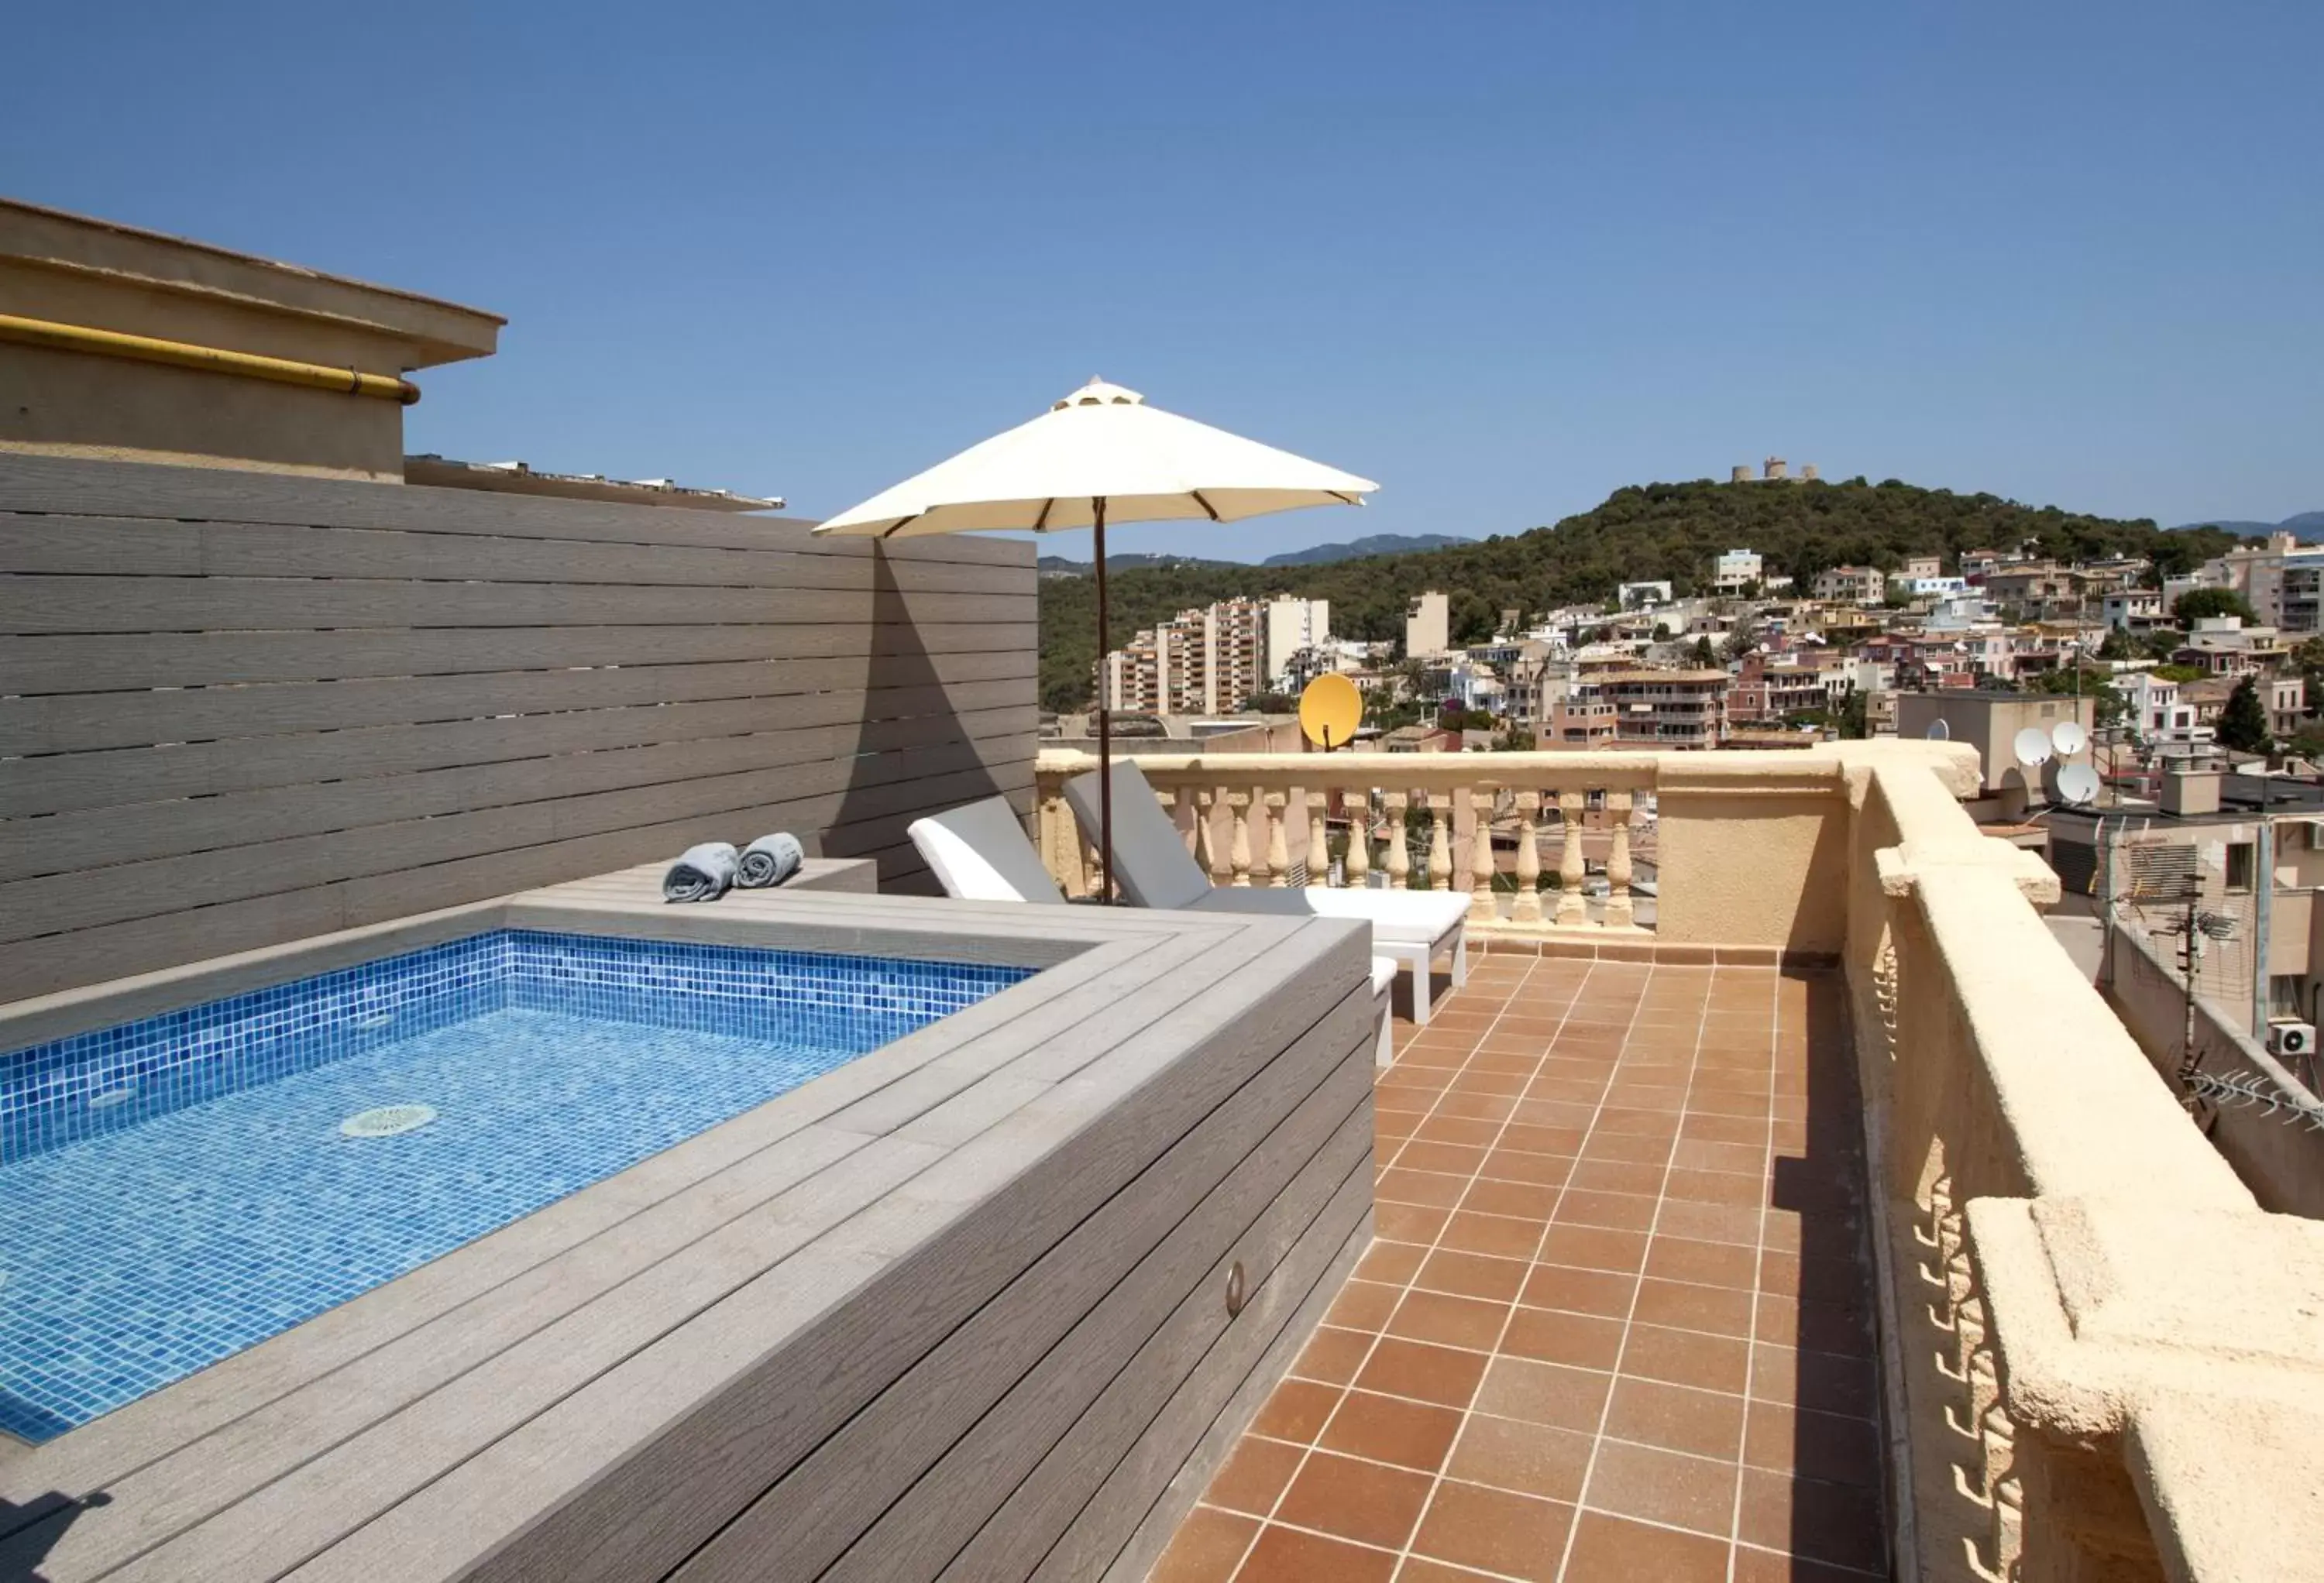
x=2032, y=745
x=1939, y=730
x=2069, y=738
x=2078, y=784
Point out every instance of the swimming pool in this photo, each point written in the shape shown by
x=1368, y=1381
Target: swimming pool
x=176, y=1189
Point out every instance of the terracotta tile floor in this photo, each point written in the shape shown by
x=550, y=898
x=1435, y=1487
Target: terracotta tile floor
x=1615, y=1324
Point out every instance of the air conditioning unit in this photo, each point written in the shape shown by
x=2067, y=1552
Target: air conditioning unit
x=2291, y=1038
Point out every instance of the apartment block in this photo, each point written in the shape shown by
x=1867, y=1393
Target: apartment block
x=1853, y=584
x=1428, y=625
x=1625, y=707
x=1201, y=662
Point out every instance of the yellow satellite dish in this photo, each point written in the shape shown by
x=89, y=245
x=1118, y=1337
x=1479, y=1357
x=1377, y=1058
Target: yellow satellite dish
x=1329, y=710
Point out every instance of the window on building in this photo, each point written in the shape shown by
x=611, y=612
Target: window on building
x=2287, y=994
x=2239, y=865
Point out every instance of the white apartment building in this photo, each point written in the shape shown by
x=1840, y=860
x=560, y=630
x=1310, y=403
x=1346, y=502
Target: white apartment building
x=2164, y=721
x=1932, y=586
x=2133, y=609
x=1737, y=569
x=1292, y=625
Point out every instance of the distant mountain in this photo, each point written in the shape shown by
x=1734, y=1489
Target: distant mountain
x=1316, y=555
x=1058, y=566
x=2307, y=527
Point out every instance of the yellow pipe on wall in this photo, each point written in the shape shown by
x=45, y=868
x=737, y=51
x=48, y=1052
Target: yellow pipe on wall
x=313, y=376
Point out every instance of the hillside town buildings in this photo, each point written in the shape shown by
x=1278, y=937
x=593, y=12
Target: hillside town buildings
x=1742, y=658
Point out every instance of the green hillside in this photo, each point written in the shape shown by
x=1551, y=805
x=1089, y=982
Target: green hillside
x=1658, y=531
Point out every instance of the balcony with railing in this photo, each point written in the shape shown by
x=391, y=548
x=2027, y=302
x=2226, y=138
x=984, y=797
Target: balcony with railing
x=1809, y=1215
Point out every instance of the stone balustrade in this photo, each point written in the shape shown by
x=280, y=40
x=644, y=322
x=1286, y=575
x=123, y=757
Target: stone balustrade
x=1409, y=821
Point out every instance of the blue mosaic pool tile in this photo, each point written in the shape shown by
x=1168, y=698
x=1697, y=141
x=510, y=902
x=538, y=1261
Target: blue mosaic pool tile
x=215, y=1202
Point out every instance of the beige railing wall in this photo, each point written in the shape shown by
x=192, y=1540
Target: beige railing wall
x=2097, y=1346
x=1751, y=847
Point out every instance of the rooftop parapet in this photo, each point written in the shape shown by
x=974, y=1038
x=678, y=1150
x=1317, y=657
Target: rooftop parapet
x=131, y=345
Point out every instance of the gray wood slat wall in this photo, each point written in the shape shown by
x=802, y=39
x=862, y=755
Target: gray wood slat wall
x=238, y=709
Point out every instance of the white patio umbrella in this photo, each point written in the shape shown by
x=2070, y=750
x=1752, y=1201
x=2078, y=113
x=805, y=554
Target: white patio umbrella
x=1100, y=454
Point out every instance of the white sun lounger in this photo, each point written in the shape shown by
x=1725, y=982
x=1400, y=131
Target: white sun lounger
x=977, y=852
x=1153, y=867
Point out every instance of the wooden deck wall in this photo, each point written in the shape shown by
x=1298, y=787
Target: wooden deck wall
x=238, y=709
x=957, y=1311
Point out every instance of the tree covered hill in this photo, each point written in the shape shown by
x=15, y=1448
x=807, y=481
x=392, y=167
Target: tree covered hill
x=1655, y=531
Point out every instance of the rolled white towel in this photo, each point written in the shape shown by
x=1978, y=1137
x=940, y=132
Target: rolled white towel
x=703, y=873
x=770, y=861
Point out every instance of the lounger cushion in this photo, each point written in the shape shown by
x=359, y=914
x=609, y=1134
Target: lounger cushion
x=978, y=852
x=1412, y=917
x=1150, y=860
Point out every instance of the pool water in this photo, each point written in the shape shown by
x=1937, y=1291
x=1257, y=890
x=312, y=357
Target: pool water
x=176, y=1189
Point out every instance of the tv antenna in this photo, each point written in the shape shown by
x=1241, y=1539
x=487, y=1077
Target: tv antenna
x=2166, y=874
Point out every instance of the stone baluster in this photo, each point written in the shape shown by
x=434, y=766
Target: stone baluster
x=1526, y=908
x=1480, y=858
x=1572, y=909
x=1319, y=848
x=1238, y=850
x=1617, y=863
x=1184, y=818
x=1206, y=836
x=1276, y=871
x=1400, y=853
x=1359, y=861
x=1439, y=843
x=1060, y=839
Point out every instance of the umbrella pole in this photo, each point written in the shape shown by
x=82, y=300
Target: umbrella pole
x=1104, y=725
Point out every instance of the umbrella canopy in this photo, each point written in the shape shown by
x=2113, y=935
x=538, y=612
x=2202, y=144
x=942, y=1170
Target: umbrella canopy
x=1101, y=455
x=1101, y=442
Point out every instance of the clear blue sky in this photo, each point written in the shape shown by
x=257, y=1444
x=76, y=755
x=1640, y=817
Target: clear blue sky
x=1503, y=259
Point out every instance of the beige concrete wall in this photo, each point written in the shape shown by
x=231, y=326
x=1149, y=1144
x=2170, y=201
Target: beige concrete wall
x=2101, y=1353
x=70, y=269
x=1752, y=869
x=103, y=408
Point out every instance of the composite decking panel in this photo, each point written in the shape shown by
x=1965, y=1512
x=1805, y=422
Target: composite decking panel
x=538, y=1269
x=1260, y=1134
x=434, y=696
x=932, y=1255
